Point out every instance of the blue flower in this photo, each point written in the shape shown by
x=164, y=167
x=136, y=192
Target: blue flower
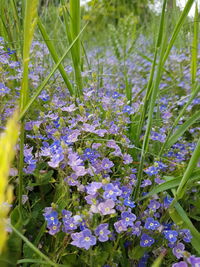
x=84, y=239
x=151, y=224
x=111, y=191
x=129, y=203
x=171, y=235
x=128, y=218
x=51, y=218
x=146, y=240
x=102, y=232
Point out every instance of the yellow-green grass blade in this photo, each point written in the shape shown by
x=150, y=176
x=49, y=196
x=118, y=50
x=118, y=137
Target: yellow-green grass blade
x=44, y=83
x=194, y=59
x=54, y=55
x=187, y=174
x=8, y=140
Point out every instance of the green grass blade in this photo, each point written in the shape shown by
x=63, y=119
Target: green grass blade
x=75, y=24
x=182, y=129
x=171, y=184
x=180, y=217
x=54, y=55
x=192, y=164
x=193, y=95
x=43, y=84
x=177, y=28
x=194, y=59
x=30, y=21
x=153, y=92
x=31, y=246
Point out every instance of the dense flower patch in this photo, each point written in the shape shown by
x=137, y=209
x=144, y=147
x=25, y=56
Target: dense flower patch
x=81, y=163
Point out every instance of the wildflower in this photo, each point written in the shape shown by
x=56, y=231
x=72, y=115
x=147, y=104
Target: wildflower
x=111, y=191
x=151, y=224
x=106, y=164
x=146, y=182
x=146, y=240
x=136, y=228
x=129, y=203
x=93, y=188
x=69, y=225
x=178, y=250
x=106, y=207
x=171, y=235
x=128, y=218
x=154, y=205
x=102, y=232
x=127, y=159
x=120, y=226
x=84, y=239
x=194, y=261
x=186, y=235
x=51, y=218
x=180, y=264
x=54, y=228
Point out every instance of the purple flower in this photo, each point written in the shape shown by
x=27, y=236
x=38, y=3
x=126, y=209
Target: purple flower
x=152, y=170
x=102, y=232
x=111, y=191
x=151, y=224
x=93, y=188
x=72, y=180
x=129, y=203
x=106, y=207
x=127, y=159
x=128, y=218
x=186, y=235
x=171, y=235
x=84, y=239
x=69, y=225
x=66, y=214
x=54, y=228
x=178, y=250
x=194, y=261
x=146, y=240
x=180, y=264
x=107, y=164
x=145, y=183
x=79, y=170
x=154, y=205
x=136, y=228
x=55, y=160
x=120, y=226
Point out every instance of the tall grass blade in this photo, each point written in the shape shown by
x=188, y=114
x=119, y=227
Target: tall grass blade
x=43, y=84
x=75, y=25
x=182, y=129
x=31, y=246
x=8, y=140
x=179, y=216
x=30, y=22
x=194, y=51
x=177, y=28
x=54, y=55
x=152, y=90
x=191, y=166
x=193, y=95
